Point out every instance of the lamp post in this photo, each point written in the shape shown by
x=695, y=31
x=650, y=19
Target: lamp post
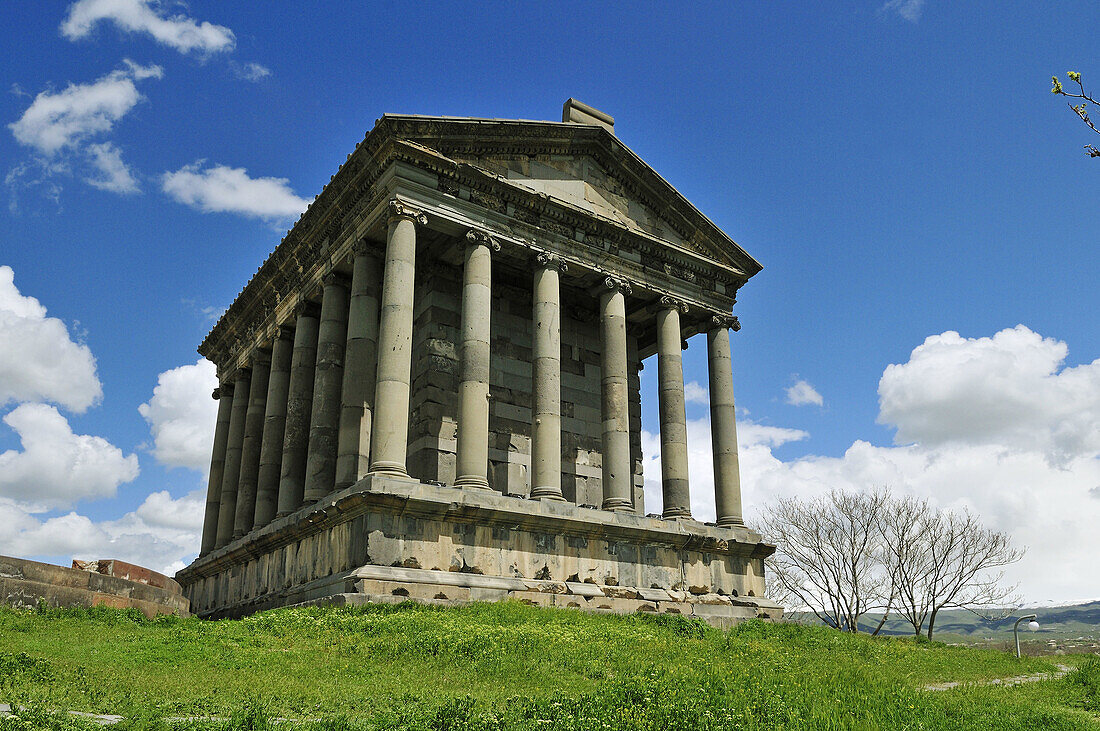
x=1032, y=625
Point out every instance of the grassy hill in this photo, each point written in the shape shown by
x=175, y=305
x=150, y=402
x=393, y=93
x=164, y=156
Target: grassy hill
x=509, y=666
x=1081, y=620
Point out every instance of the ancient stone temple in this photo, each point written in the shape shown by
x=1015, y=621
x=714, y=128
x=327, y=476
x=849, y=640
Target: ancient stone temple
x=430, y=389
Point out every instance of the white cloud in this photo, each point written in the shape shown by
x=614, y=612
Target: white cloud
x=57, y=467
x=696, y=394
x=161, y=534
x=250, y=71
x=114, y=174
x=63, y=119
x=908, y=9
x=148, y=16
x=222, y=189
x=181, y=415
x=990, y=467
x=802, y=393
x=38, y=359
x=1008, y=390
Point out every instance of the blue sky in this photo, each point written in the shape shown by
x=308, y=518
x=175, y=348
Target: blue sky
x=901, y=171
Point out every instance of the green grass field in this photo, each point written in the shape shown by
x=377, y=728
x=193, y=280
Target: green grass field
x=509, y=666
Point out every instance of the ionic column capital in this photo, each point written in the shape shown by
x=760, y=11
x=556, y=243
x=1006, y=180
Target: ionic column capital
x=284, y=332
x=397, y=210
x=337, y=278
x=546, y=260
x=674, y=304
x=616, y=284
x=475, y=237
x=729, y=322
x=307, y=308
x=223, y=391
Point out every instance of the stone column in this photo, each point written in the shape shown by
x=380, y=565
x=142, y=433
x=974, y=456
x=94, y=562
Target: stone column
x=546, y=384
x=271, y=449
x=231, y=473
x=360, y=364
x=390, y=427
x=618, y=472
x=292, y=474
x=324, y=421
x=472, y=461
x=670, y=377
x=250, y=447
x=723, y=423
x=224, y=396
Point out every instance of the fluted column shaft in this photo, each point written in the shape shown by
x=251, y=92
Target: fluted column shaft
x=615, y=398
x=390, y=427
x=472, y=460
x=723, y=422
x=546, y=385
x=224, y=397
x=292, y=473
x=231, y=474
x=324, y=421
x=673, y=413
x=250, y=446
x=271, y=448
x=360, y=366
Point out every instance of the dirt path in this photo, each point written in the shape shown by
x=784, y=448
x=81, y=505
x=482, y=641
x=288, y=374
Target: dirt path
x=1015, y=680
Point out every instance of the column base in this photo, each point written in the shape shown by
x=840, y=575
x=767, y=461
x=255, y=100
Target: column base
x=474, y=481
x=673, y=513
x=617, y=504
x=389, y=469
x=730, y=521
x=547, y=493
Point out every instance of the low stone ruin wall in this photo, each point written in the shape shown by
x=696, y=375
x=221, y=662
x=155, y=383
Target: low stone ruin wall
x=25, y=583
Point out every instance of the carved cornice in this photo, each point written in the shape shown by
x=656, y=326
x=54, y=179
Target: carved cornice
x=475, y=237
x=398, y=210
x=674, y=304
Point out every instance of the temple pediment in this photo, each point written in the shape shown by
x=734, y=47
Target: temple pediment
x=583, y=165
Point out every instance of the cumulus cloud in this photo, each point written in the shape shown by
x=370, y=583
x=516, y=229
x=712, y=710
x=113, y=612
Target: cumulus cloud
x=221, y=189
x=181, y=415
x=696, y=394
x=908, y=9
x=56, y=467
x=64, y=119
x=38, y=359
x=988, y=467
x=113, y=174
x=1010, y=389
x=161, y=534
x=148, y=17
x=802, y=393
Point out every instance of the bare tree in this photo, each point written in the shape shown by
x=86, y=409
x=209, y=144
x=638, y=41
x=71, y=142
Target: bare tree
x=965, y=558
x=828, y=554
x=842, y=555
x=1082, y=109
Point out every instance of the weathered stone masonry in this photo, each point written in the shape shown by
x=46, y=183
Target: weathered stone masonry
x=430, y=389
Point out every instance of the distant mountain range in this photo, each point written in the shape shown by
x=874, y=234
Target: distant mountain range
x=1075, y=620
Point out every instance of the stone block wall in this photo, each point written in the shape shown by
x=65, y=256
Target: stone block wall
x=433, y=415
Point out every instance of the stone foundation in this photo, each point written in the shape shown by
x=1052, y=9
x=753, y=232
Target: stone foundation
x=388, y=539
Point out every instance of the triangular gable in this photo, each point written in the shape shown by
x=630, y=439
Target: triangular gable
x=583, y=165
